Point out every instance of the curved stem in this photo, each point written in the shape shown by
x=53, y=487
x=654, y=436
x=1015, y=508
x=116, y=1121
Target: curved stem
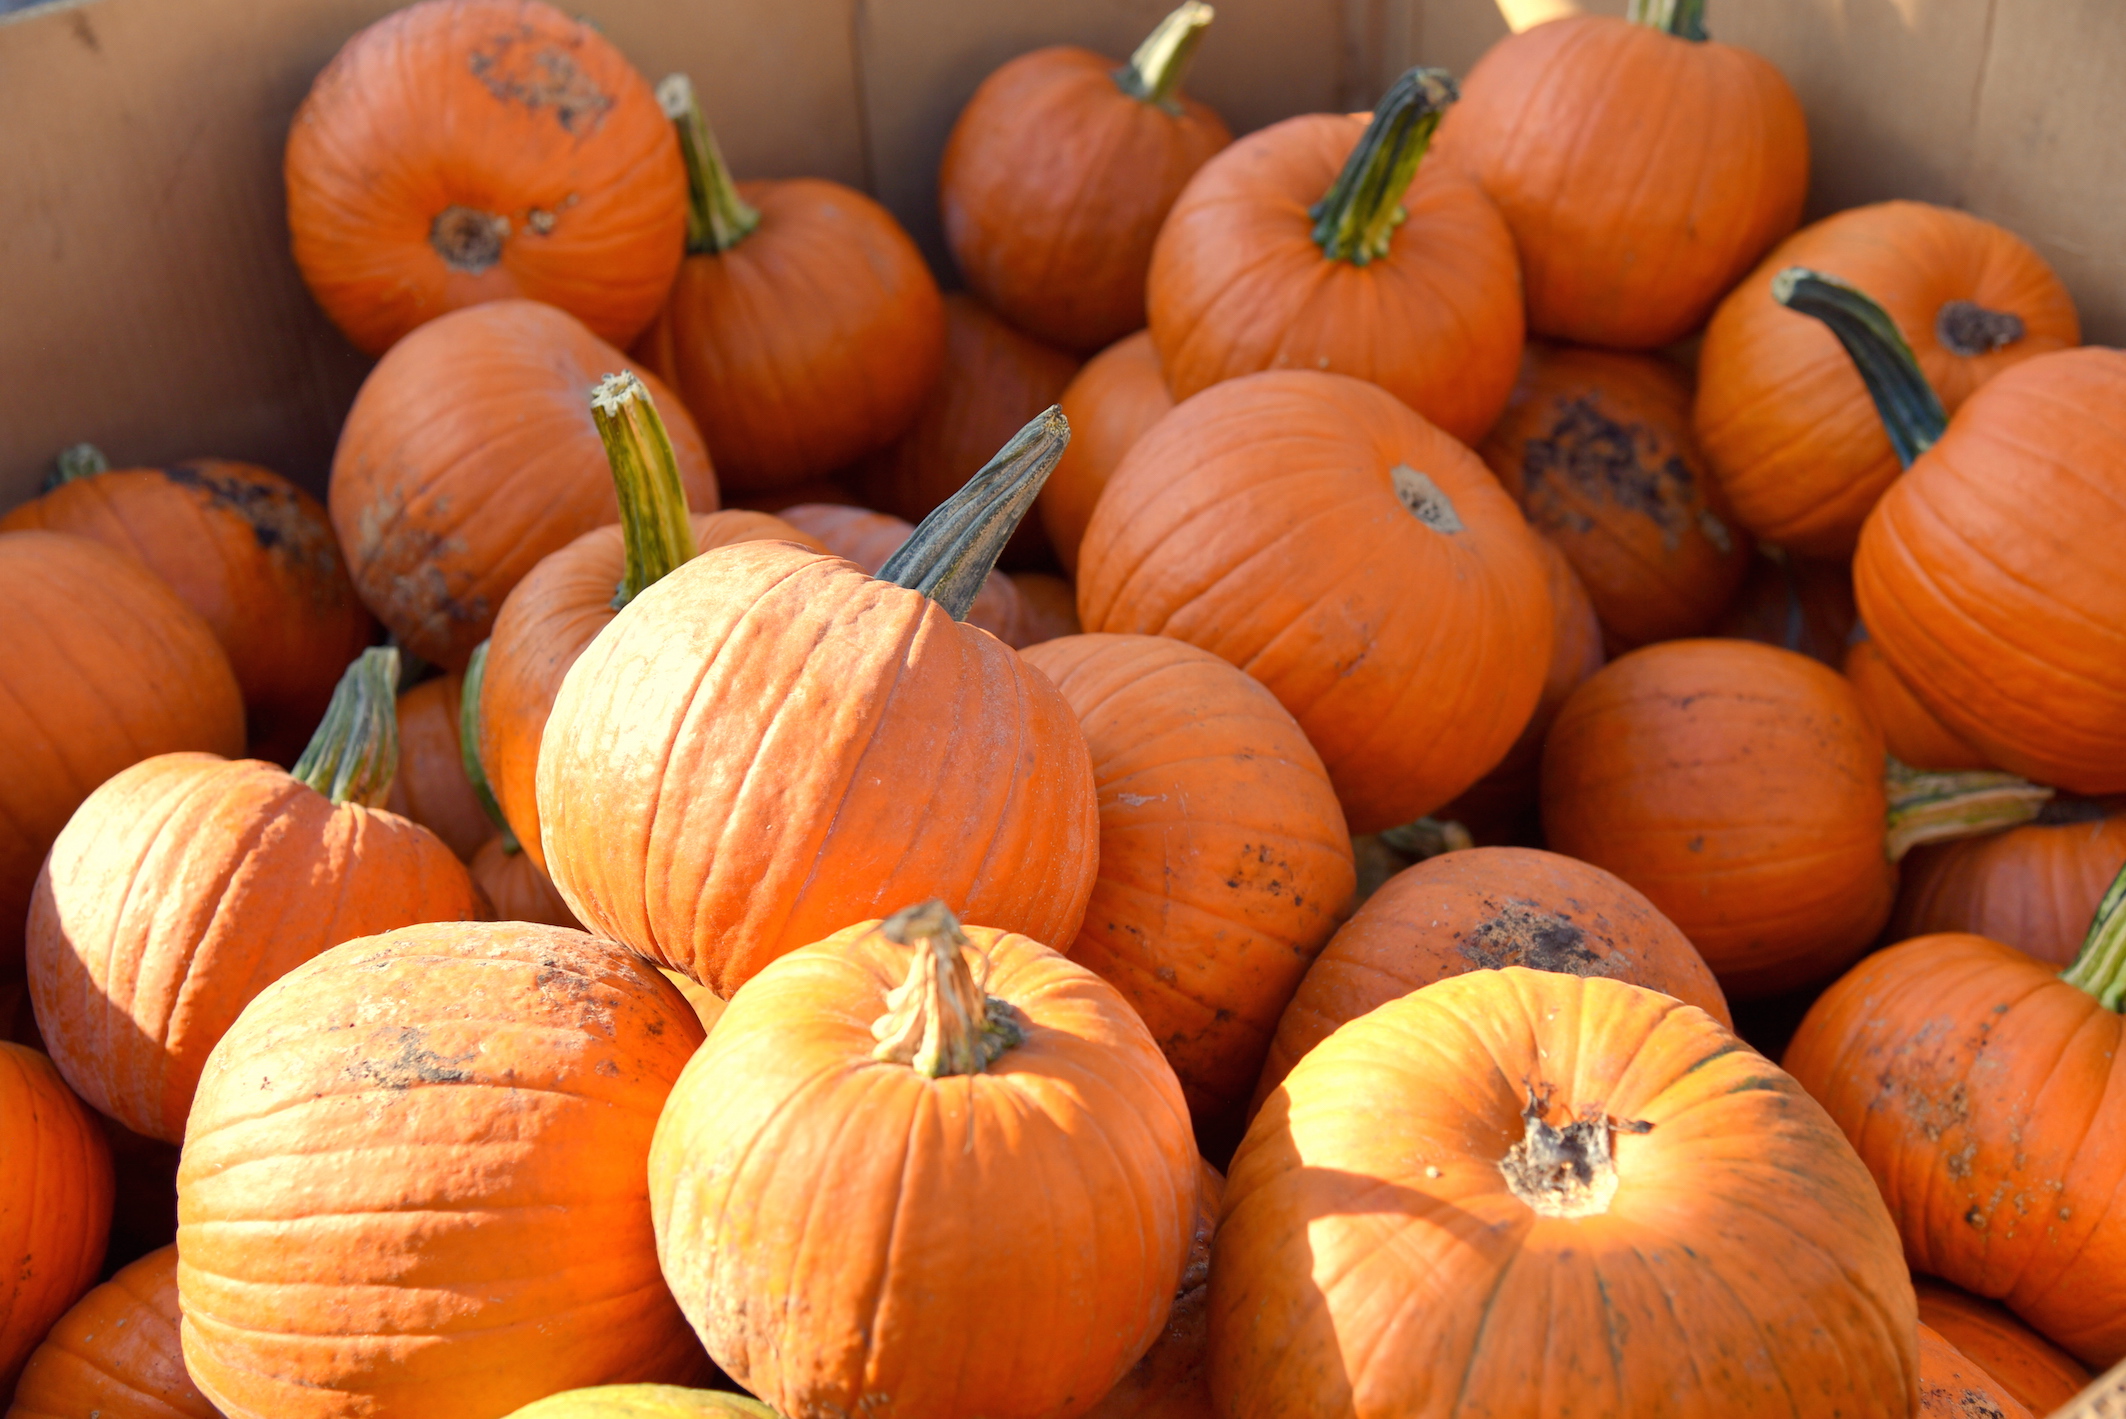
x=717, y=217
x=1154, y=73
x=1428, y=838
x=354, y=755
x=1911, y=411
x=1357, y=219
x=1931, y=807
x=937, y=1020
x=953, y=550
x=469, y=746
x=2100, y=967
x=1685, y=19
x=82, y=460
x=653, y=501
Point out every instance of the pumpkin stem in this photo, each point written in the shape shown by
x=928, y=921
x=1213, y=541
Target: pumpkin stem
x=653, y=502
x=354, y=755
x=937, y=1020
x=1930, y=807
x=717, y=217
x=1428, y=838
x=953, y=550
x=1685, y=19
x=1910, y=409
x=469, y=747
x=83, y=460
x=2100, y=966
x=1569, y=1171
x=1357, y=219
x=1154, y=73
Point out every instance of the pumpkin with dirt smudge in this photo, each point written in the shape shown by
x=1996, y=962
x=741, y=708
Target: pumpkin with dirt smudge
x=115, y=1355
x=2031, y=1368
x=1953, y=1386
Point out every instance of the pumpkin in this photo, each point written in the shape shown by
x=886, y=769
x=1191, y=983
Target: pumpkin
x=1019, y=1130
x=431, y=786
x=250, y=552
x=115, y=1355
x=1059, y=172
x=994, y=380
x=1796, y=603
x=769, y=744
x=189, y=882
x=868, y=538
x=1529, y=1193
x=2030, y=1368
x=1117, y=396
x=1169, y=1382
x=1224, y=860
x=1642, y=168
x=107, y=667
x=55, y=1203
x=1952, y=1386
x=1048, y=608
x=1314, y=531
x=515, y=887
x=1781, y=412
x=469, y=456
x=775, y=500
x=1909, y=728
x=2033, y=886
x=1321, y=243
x=644, y=1402
x=1597, y=448
x=804, y=329
x=459, y=151
x=708, y=1005
x=414, y=1179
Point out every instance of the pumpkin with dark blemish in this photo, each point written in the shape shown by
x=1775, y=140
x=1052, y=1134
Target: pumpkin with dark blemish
x=2034, y=887
x=1953, y=1386
x=2027, y=1366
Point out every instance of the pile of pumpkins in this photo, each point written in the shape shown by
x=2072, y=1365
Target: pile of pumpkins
x=765, y=947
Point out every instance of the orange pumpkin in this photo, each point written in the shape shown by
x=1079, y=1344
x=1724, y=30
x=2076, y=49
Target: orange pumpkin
x=708, y=1005
x=459, y=151
x=1781, y=412
x=1320, y=243
x=1642, y=167
x=468, y=456
x=415, y=1180
x=250, y=552
x=1048, y=608
x=869, y=538
x=1597, y=448
x=115, y=1355
x=644, y=1402
x=1059, y=172
x=1525, y=1193
x=1795, y=603
x=55, y=1203
x=2030, y=1368
x=1169, y=1382
x=1224, y=861
x=515, y=887
x=804, y=329
x=188, y=883
x=1117, y=396
x=1911, y=731
x=1312, y=530
x=107, y=667
x=1952, y=1386
x=431, y=786
x=2033, y=887
x=1024, y=1126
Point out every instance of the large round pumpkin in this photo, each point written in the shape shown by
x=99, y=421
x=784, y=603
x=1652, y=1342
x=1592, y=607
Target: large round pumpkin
x=468, y=456
x=1642, y=172
x=644, y=1402
x=1909, y=729
x=1224, y=861
x=1169, y=1382
x=2029, y=1367
x=1117, y=396
x=55, y=1202
x=1523, y=1194
x=886, y=1187
x=115, y=1355
x=431, y=786
x=2033, y=887
x=105, y=667
x=869, y=538
x=459, y=151
x=1314, y=531
x=414, y=1180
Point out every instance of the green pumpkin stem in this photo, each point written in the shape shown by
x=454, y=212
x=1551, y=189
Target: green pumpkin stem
x=953, y=550
x=1357, y=219
x=82, y=460
x=469, y=747
x=1685, y=19
x=717, y=217
x=1928, y=806
x=653, y=501
x=2100, y=966
x=354, y=755
x=1911, y=411
x=937, y=1020
x=1154, y=73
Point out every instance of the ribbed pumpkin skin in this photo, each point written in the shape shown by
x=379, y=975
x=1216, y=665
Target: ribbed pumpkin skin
x=850, y=1237
x=1169, y=1382
x=115, y=1355
x=1371, y=1260
x=1741, y=789
x=1053, y=186
x=511, y=109
x=1795, y=603
x=1117, y=396
x=1989, y=574
x=1238, y=285
x=182, y=888
x=108, y=668
x=2034, y=887
x=1224, y=860
x=2037, y=1373
x=249, y=551
x=806, y=346
x=644, y=1402
x=517, y=889
x=414, y=1185
x=550, y=616
x=1984, y=1094
x=469, y=455
x=768, y=742
x=1260, y=521
x=1909, y=729
x=1953, y=1386
x=1596, y=446
x=868, y=538
x=55, y=1202
x=430, y=786
x=1781, y=411
x=1641, y=174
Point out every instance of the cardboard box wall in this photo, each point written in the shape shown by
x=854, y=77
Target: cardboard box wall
x=148, y=303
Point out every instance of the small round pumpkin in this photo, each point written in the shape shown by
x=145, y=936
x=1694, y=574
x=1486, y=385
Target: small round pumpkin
x=431, y=786
x=869, y=538
x=1953, y=1386
x=2030, y=1368
x=516, y=888
x=2033, y=887
x=1910, y=730
x=1169, y=1382
x=55, y=1203
x=1802, y=604
x=1117, y=396
x=644, y=1402
x=115, y=1355
x=1048, y=608
x=459, y=151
